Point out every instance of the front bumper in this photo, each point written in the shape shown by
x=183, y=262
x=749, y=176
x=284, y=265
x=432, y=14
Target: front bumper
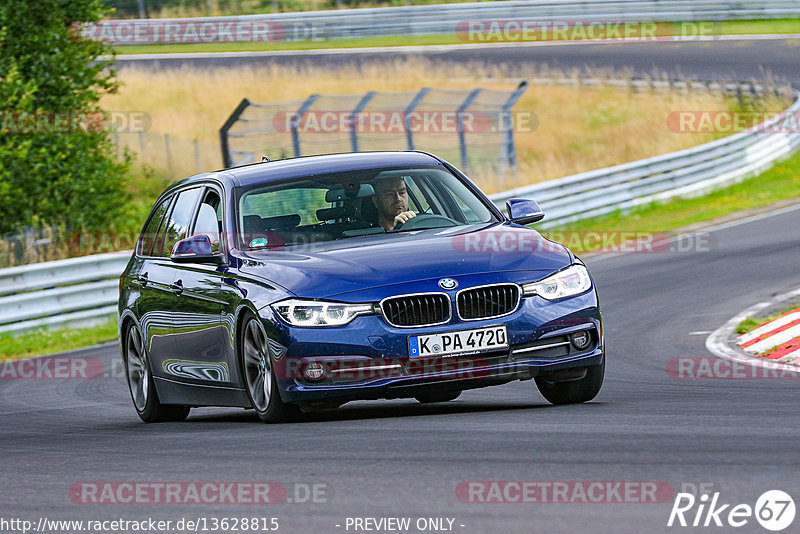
x=368, y=359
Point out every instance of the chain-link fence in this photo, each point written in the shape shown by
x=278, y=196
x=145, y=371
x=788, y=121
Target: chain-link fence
x=178, y=157
x=473, y=128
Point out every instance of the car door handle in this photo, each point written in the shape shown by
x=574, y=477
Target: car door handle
x=177, y=287
x=142, y=280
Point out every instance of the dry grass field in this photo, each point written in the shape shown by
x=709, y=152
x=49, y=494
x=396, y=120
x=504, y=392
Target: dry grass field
x=579, y=129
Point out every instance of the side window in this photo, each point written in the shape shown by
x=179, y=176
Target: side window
x=150, y=233
x=417, y=200
x=466, y=215
x=178, y=223
x=209, y=218
x=303, y=201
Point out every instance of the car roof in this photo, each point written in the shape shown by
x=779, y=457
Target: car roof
x=283, y=169
x=311, y=165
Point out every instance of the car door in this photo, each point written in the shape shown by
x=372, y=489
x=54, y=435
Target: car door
x=152, y=273
x=159, y=275
x=203, y=347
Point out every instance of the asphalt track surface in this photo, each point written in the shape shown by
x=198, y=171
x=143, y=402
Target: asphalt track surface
x=745, y=59
x=400, y=458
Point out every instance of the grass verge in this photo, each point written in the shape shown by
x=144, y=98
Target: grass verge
x=41, y=342
x=751, y=323
x=740, y=27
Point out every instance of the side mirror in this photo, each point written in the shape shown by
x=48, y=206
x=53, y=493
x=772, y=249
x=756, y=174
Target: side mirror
x=195, y=249
x=524, y=211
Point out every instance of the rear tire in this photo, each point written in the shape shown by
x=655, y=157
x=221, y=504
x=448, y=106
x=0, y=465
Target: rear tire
x=259, y=375
x=441, y=396
x=573, y=391
x=140, y=383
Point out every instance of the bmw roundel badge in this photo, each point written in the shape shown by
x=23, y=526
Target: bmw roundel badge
x=448, y=283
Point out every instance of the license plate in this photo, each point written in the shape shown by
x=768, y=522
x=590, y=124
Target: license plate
x=458, y=343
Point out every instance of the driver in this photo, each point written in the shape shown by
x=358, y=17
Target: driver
x=391, y=201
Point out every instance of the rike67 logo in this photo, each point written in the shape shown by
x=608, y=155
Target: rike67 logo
x=774, y=510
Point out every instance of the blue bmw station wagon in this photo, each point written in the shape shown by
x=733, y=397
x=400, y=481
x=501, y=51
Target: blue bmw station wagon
x=302, y=284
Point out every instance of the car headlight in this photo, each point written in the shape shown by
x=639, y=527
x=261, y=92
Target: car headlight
x=572, y=281
x=319, y=313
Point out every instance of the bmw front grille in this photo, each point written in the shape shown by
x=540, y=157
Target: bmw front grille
x=487, y=302
x=422, y=309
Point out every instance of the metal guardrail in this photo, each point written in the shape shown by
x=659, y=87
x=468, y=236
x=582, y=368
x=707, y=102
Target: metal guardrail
x=60, y=293
x=79, y=290
x=686, y=172
x=436, y=19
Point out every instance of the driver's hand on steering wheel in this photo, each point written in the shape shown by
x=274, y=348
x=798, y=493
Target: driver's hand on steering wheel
x=403, y=217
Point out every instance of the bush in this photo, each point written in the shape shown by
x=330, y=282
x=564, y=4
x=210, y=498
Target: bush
x=47, y=69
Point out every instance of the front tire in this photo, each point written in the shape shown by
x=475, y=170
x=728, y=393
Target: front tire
x=573, y=391
x=140, y=383
x=259, y=375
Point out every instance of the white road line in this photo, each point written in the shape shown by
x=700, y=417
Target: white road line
x=438, y=48
x=768, y=327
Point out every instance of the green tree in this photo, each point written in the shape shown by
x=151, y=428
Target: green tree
x=47, y=68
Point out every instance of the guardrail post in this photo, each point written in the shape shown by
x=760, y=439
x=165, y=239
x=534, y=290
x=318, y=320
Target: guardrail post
x=353, y=126
x=509, y=148
x=223, y=132
x=462, y=140
x=409, y=109
x=298, y=116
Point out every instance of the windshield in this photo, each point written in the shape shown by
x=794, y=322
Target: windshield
x=355, y=204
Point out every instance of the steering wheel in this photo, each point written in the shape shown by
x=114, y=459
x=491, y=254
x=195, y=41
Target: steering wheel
x=423, y=218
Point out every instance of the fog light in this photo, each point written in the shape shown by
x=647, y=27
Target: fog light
x=314, y=371
x=581, y=340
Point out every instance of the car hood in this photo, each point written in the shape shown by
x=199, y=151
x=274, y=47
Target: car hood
x=324, y=270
